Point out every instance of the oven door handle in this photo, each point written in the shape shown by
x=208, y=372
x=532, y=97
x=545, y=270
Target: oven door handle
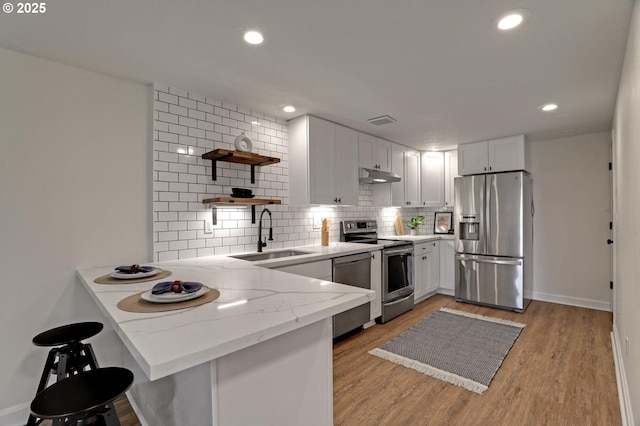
x=395, y=302
x=402, y=252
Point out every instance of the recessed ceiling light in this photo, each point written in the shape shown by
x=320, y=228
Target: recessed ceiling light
x=253, y=37
x=289, y=108
x=512, y=19
x=548, y=107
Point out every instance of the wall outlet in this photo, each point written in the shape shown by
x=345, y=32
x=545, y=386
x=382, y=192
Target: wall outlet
x=208, y=227
x=317, y=220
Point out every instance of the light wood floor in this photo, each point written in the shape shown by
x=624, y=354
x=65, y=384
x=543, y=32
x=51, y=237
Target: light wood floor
x=559, y=372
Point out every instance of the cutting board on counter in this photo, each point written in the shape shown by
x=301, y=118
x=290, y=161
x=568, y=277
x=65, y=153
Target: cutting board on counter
x=399, y=226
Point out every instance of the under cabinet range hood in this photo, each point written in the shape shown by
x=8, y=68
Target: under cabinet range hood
x=377, y=176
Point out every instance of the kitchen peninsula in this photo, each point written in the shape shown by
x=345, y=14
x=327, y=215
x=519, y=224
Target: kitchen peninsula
x=259, y=354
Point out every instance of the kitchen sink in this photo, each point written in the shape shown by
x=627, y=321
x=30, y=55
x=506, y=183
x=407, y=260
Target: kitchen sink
x=253, y=257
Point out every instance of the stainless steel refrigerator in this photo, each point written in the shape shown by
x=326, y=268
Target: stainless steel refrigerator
x=494, y=239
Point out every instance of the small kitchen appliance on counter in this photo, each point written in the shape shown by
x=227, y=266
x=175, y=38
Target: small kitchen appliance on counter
x=397, y=266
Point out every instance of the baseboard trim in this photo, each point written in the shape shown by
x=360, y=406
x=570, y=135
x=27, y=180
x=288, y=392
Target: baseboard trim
x=571, y=301
x=621, y=379
x=15, y=416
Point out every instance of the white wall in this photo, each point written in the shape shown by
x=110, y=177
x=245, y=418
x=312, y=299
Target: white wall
x=626, y=167
x=75, y=191
x=572, y=191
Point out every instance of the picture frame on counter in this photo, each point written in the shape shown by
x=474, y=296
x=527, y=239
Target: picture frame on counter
x=442, y=223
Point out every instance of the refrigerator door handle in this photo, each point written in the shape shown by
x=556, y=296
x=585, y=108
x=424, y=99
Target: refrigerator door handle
x=516, y=262
x=488, y=182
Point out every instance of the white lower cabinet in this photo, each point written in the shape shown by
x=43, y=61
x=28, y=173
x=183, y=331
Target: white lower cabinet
x=447, y=267
x=426, y=268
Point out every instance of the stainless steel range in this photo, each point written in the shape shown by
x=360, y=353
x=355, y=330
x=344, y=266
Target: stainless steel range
x=397, y=266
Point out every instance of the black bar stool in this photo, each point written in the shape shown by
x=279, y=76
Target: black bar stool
x=84, y=398
x=69, y=356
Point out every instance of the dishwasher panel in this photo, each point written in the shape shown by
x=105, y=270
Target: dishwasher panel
x=352, y=270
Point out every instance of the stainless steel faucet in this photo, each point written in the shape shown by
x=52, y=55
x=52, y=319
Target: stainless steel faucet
x=260, y=242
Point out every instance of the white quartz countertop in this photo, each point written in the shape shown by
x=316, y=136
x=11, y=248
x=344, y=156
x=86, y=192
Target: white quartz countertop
x=418, y=238
x=276, y=303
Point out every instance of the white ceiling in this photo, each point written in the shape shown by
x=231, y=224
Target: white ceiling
x=437, y=66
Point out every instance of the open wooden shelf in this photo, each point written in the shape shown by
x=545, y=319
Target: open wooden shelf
x=239, y=157
x=240, y=201
x=232, y=201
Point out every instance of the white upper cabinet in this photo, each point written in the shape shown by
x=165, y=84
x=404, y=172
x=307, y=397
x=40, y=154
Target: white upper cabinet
x=412, y=178
x=346, y=172
x=383, y=154
x=323, y=158
x=450, y=173
x=374, y=153
x=496, y=155
x=473, y=158
x=406, y=164
x=432, y=179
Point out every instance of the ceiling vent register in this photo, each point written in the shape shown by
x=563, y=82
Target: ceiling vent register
x=384, y=119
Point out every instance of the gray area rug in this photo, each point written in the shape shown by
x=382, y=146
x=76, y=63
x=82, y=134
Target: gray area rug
x=457, y=347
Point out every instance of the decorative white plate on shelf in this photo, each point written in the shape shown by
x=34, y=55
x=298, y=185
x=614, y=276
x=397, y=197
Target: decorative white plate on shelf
x=243, y=143
x=173, y=297
x=124, y=276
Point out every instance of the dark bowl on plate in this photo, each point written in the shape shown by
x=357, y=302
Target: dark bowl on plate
x=241, y=192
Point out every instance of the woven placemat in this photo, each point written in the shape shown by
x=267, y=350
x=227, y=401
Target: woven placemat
x=108, y=279
x=135, y=303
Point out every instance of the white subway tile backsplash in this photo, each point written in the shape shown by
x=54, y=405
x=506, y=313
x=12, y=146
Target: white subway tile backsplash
x=178, y=92
x=198, y=98
x=187, y=254
x=205, y=107
x=167, y=176
x=175, y=128
x=178, y=187
x=167, y=236
x=187, y=103
x=221, y=112
x=178, y=110
x=167, y=137
x=168, y=118
x=169, y=99
x=167, y=216
x=198, y=115
x=188, y=122
x=192, y=124
x=168, y=196
x=167, y=255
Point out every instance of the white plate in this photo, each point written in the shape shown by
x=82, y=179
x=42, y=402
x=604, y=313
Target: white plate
x=125, y=276
x=173, y=297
